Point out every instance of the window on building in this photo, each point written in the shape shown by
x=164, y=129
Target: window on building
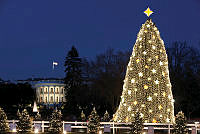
x=57, y=99
x=62, y=90
x=46, y=99
x=45, y=90
x=62, y=99
x=51, y=90
x=51, y=98
x=57, y=90
x=41, y=90
x=41, y=99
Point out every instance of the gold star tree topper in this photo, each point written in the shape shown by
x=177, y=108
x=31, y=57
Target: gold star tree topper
x=148, y=12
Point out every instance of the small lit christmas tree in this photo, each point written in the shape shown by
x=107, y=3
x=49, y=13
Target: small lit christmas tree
x=94, y=122
x=180, y=124
x=25, y=124
x=3, y=122
x=83, y=118
x=106, y=116
x=55, y=122
x=37, y=116
x=147, y=87
x=137, y=124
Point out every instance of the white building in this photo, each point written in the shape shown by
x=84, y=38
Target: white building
x=50, y=92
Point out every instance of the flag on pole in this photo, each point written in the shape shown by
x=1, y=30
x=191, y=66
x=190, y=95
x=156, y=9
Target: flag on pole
x=54, y=64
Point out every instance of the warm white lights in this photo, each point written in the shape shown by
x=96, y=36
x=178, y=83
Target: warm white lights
x=164, y=94
x=142, y=105
x=132, y=80
x=100, y=132
x=129, y=92
x=129, y=108
x=14, y=130
x=140, y=74
x=149, y=79
x=159, y=107
x=163, y=73
x=36, y=131
x=122, y=100
x=149, y=98
x=144, y=52
x=147, y=87
x=167, y=120
x=135, y=102
x=156, y=82
x=153, y=71
x=161, y=63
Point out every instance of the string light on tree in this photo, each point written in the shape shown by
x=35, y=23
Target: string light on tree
x=153, y=71
x=149, y=98
x=140, y=74
x=144, y=52
x=156, y=82
x=132, y=80
x=148, y=85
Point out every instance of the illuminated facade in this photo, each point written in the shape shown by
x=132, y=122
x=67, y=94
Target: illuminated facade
x=50, y=92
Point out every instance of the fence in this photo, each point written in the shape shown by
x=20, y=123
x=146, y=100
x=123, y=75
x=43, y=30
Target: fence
x=111, y=127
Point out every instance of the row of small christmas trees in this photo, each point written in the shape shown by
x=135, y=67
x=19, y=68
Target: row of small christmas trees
x=55, y=124
x=105, y=118
x=25, y=122
x=178, y=128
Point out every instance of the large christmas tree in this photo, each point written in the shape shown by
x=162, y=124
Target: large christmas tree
x=147, y=87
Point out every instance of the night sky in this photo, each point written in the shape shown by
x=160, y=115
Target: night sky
x=33, y=33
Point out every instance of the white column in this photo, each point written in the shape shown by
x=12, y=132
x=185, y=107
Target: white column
x=48, y=95
x=43, y=126
x=63, y=126
x=113, y=127
x=168, y=128
x=54, y=89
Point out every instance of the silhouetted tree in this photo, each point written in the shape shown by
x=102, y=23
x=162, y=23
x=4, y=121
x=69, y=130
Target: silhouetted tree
x=184, y=64
x=16, y=96
x=73, y=80
x=107, y=74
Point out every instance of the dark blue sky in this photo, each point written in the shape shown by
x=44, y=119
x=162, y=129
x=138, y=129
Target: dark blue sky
x=33, y=33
